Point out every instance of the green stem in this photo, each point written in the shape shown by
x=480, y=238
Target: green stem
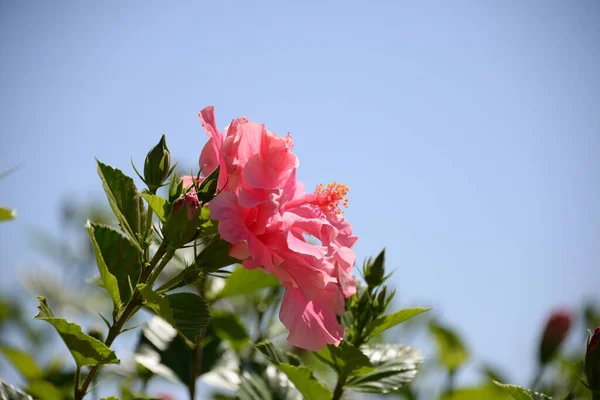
x=450, y=383
x=195, y=361
x=339, y=388
x=131, y=308
x=149, y=233
x=197, y=349
x=161, y=266
x=77, y=378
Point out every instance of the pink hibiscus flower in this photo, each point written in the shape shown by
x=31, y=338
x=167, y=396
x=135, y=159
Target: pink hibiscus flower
x=271, y=223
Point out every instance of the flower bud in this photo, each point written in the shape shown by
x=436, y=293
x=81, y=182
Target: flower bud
x=373, y=271
x=187, y=221
x=157, y=164
x=592, y=361
x=554, y=334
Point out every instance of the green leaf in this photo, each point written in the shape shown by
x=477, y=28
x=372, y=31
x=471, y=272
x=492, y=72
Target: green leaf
x=346, y=359
x=22, y=362
x=214, y=254
x=43, y=390
x=85, y=349
x=125, y=201
x=519, y=393
x=244, y=281
x=110, y=398
x=159, y=205
x=477, y=393
x=164, y=352
x=157, y=303
x=393, y=366
x=275, y=354
x=118, y=262
x=451, y=351
x=305, y=382
x=300, y=376
x=388, y=321
x=253, y=387
x=229, y=328
x=7, y=214
x=9, y=392
x=190, y=312
x=186, y=312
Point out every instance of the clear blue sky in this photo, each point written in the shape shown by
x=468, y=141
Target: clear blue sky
x=468, y=131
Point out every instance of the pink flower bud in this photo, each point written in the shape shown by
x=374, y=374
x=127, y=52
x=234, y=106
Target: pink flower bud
x=191, y=202
x=554, y=334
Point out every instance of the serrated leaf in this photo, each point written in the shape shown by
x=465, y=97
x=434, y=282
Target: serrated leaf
x=229, y=328
x=519, y=393
x=244, y=281
x=393, y=366
x=125, y=201
x=22, y=362
x=186, y=312
x=305, y=382
x=9, y=392
x=451, y=351
x=6, y=214
x=190, y=312
x=118, y=261
x=85, y=349
x=275, y=354
x=346, y=359
x=159, y=205
x=388, y=321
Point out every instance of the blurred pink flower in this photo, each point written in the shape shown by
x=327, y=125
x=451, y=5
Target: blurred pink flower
x=555, y=332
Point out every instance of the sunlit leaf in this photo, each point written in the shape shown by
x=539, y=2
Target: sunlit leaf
x=85, y=349
x=393, y=366
x=275, y=354
x=346, y=359
x=125, y=201
x=519, y=393
x=118, y=261
x=388, y=321
x=159, y=205
x=244, y=281
x=305, y=382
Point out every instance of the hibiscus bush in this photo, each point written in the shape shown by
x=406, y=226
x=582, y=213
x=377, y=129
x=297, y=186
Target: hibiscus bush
x=238, y=275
